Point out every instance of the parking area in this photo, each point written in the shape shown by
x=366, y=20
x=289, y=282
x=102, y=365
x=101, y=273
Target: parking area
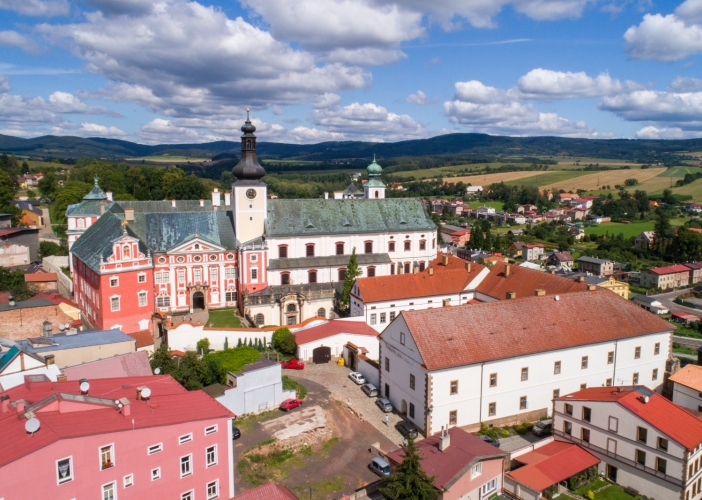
x=336, y=379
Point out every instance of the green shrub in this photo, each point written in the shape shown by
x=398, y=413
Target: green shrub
x=234, y=360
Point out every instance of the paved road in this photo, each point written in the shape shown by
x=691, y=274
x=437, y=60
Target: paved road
x=687, y=341
x=668, y=297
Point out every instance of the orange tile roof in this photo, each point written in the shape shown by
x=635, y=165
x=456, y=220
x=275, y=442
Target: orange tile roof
x=331, y=328
x=474, y=333
x=524, y=281
x=268, y=491
x=36, y=277
x=689, y=376
x=667, y=417
x=406, y=286
x=143, y=338
x=676, y=268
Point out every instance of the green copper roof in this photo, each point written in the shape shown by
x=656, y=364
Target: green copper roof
x=96, y=193
x=375, y=183
x=352, y=190
x=288, y=217
x=374, y=168
x=8, y=356
x=96, y=242
x=88, y=207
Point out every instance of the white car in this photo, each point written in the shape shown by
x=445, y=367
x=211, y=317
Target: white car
x=357, y=377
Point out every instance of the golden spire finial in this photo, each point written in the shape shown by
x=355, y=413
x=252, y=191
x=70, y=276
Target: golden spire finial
x=124, y=226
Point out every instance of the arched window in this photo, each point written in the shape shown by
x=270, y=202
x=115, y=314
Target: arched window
x=283, y=251
x=391, y=246
x=342, y=274
x=248, y=144
x=339, y=249
x=371, y=271
x=284, y=278
x=408, y=246
x=422, y=244
x=197, y=246
x=81, y=223
x=312, y=275
x=321, y=312
x=368, y=246
x=259, y=319
x=126, y=252
x=309, y=250
x=291, y=308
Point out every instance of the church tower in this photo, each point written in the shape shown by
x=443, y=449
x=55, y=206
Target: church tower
x=374, y=188
x=249, y=193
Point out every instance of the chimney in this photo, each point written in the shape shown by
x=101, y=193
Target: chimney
x=173, y=203
x=431, y=271
x=444, y=260
x=227, y=199
x=445, y=439
x=592, y=288
x=47, y=328
x=216, y=198
x=5, y=403
x=19, y=404
x=699, y=355
x=202, y=202
x=581, y=279
x=61, y=377
x=447, y=303
x=326, y=195
x=109, y=195
x=129, y=214
x=102, y=208
x=553, y=271
x=511, y=295
x=508, y=268
x=126, y=407
x=539, y=292
x=469, y=267
x=49, y=359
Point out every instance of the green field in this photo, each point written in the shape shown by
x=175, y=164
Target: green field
x=291, y=162
x=681, y=171
x=167, y=159
x=430, y=173
x=497, y=205
x=547, y=178
x=632, y=229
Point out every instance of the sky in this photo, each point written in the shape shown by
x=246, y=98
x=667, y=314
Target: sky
x=178, y=71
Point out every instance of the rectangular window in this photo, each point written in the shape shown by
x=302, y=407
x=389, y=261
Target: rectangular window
x=641, y=457
x=583, y=363
x=387, y=364
x=212, y=490
x=254, y=274
x=523, y=403
x=422, y=245
x=654, y=374
x=373, y=319
x=408, y=246
x=230, y=296
x=339, y=249
x=657, y=348
x=637, y=352
x=411, y=381
x=402, y=337
x=613, y=424
x=583, y=387
x=391, y=246
x=569, y=409
x=368, y=247
x=635, y=378
x=197, y=275
x=383, y=318
x=661, y=464
x=156, y=473
x=587, y=414
x=454, y=387
x=556, y=367
x=155, y=448
x=128, y=480
x=585, y=435
x=662, y=444
x=211, y=456
x=210, y=430
x=610, y=357
x=525, y=374
x=64, y=470
x=188, y=495
x=411, y=410
x=186, y=463
x=453, y=417
x=213, y=275
x=114, y=304
x=567, y=427
x=109, y=491
x=142, y=299
x=230, y=273
x=181, y=275
x=476, y=470
x=608, y=382
x=114, y=282
x=312, y=276
x=163, y=301
x=309, y=250
x=282, y=252
x=185, y=439
x=493, y=380
x=556, y=393
x=161, y=278
x=106, y=457
x=641, y=434
x=492, y=409
x=392, y=316
x=141, y=278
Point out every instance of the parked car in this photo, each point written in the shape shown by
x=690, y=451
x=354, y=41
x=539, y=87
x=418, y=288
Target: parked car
x=293, y=364
x=236, y=433
x=407, y=429
x=370, y=390
x=379, y=466
x=543, y=428
x=289, y=404
x=357, y=377
x=383, y=404
x=490, y=440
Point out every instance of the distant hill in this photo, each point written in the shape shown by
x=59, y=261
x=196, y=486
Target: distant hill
x=114, y=149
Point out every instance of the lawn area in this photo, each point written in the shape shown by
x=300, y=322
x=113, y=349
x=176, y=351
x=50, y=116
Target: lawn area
x=612, y=492
x=290, y=384
x=224, y=318
x=545, y=180
x=614, y=228
x=683, y=349
x=681, y=171
x=497, y=205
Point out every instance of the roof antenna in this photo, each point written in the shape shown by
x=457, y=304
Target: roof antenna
x=247, y=114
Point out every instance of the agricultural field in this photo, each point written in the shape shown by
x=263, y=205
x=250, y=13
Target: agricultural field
x=629, y=230
x=430, y=173
x=167, y=159
x=682, y=171
x=487, y=179
x=595, y=180
x=547, y=179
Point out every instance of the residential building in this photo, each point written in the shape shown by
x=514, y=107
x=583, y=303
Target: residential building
x=31, y=214
x=501, y=362
x=536, y=474
x=594, y=266
x=460, y=238
x=561, y=260
x=687, y=387
x=256, y=388
x=46, y=282
x=474, y=190
x=16, y=362
x=621, y=288
x=463, y=466
x=695, y=272
x=13, y=255
x=132, y=364
x=532, y=252
x=644, y=240
x=135, y=437
x=268, y=491
x=327, y=341
x=650, y=303
x=516, y=248
x=25, y=319
x=693, y=207
x=665, y=277
x=22, y=236
x=684, y=317
x=643, y=441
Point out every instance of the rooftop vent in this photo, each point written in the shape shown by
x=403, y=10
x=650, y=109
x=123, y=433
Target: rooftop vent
x=47, y=328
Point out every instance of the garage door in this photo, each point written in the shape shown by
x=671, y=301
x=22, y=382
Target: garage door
x=321, y=355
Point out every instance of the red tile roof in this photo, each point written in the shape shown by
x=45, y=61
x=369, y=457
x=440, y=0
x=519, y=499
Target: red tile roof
x=524, y=281
x=677, y=268
x=268, y=491
x=690, y=376
x=169, y=404
x=331, y=328
x=667, y=417
x=133, y=364
x=473, y=333
x=449, y=465
x=685, y=315
x=36, y=277
x=143, y=338
x=551, y=464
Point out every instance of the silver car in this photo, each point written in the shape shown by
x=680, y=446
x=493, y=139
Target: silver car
x=357, y=377
x=370, y=390
x=383, y=404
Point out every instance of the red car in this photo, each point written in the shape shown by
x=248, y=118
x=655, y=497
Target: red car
x=293, y=364
x=289, y=404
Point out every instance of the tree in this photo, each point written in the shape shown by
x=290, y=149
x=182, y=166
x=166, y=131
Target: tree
x=190, y=372
x=203, y=346
x=352, y=272
x=161, y=359
x=47, y=185
x=48, y=248
x=284, y=341
x=409, y=481
x=663, y=234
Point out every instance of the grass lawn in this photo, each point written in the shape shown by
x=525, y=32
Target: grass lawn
x=683, y=331
x=683, y=349
x=614, y=228
x=290, y=384
x=497, y=205
x=612, y=492
x=224, y=318
x=681, y=171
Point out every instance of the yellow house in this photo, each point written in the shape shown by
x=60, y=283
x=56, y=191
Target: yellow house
x=619, y=287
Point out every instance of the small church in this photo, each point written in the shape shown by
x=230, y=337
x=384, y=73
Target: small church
x=279, y=261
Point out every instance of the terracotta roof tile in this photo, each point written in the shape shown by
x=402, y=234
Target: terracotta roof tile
x=677, y=268
x=36, y=277
x=143, y=338
x=133, y=364
x=331, y=328
x=524, y=282
x=268, y=491
x=690, y=376
x=473, y=333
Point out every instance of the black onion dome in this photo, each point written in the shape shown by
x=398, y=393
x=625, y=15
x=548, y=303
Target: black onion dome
x=248, y=127
x=248, y=167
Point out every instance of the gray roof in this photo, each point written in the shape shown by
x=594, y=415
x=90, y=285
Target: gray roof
x=450, y=228
x=288, y=217
x=645, y=298
x=88, y=207
x=26, y=304
x=329, y=261
x=96, y=193
x=256, y=365
x=352, y=189
x=306, y=289
x=80, y=339
x=595, y=280
x=166, y=206
x=25, y=205
x=593, y=260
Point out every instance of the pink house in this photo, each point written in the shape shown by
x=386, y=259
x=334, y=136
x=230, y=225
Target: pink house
x=119, y=438
x=463, y=465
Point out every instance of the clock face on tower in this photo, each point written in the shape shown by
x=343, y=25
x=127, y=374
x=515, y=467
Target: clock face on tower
x=251, y=194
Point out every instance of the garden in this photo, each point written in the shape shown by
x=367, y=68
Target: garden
x=600, y=489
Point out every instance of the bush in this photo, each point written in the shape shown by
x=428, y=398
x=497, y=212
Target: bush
x=234, y=360
x=523, y=428
x=290, y=384
x=284, y=341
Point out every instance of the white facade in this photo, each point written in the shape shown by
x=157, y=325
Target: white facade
x=337, y=343
x=14, y=372
x=255, y=391
x=14, y=255
x=687, y=397
x=474, y=396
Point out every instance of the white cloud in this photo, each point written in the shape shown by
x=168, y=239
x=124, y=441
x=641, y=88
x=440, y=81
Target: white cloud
x=63, y=102
x=544, y=84
x=420, y=98
x=326, y=100
x=277, y=110
x=37, y=8
x=122, y=7
x=4, y=84
x=685, y=84
x=14, y=39
x=86, y=129
x=307, y=135
x=656, y=106
x=652, y=132
x=160, y=131
x=496, y=111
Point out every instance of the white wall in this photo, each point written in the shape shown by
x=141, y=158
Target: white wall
x=369, y=372
x=337, y=343
x=256, y=391
x=684, y=396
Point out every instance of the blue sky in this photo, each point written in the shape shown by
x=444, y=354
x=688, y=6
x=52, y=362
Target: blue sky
x=382, y=70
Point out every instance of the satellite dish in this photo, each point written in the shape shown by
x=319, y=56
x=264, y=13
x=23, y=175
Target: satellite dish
x=117, y=401
x=157, y=371
x=557, y=297
x=32, y=425
x=646, y=399
x=84, y=386
x=61, y=327
x=120, y=405
x=145, y=392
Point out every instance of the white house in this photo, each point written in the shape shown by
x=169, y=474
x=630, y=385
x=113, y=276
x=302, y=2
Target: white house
x=16, y=362
x=256, y=388
x=650, y=303
x=687, y=387
x=330, y=338
x=532, y=252
x=644, y=441
x=502, y=362
x=473, y=190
